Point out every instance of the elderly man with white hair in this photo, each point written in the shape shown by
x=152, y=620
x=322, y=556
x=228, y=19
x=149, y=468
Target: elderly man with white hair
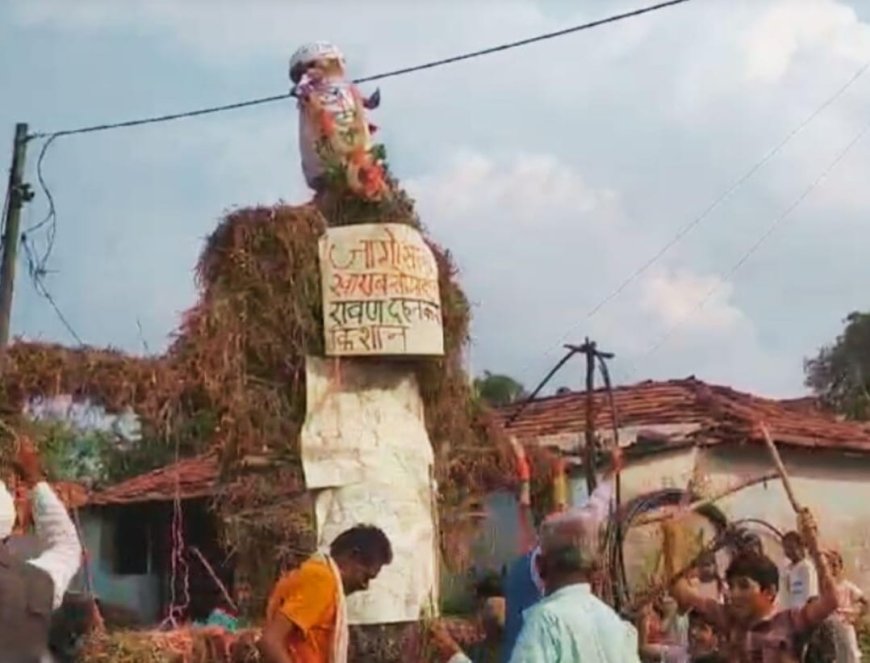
x=31, y=590
x=570, y=624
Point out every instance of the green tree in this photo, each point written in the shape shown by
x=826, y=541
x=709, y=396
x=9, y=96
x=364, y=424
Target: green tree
x=98, y=457
x=72, y=454
x=840, y=373
x=498, y=390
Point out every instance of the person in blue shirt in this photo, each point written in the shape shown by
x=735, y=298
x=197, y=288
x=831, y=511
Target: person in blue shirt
x=523, y=588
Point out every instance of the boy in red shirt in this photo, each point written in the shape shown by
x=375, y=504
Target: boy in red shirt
x=752, y=630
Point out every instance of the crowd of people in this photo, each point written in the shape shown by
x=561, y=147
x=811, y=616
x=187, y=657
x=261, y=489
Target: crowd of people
x=753, y=612
x=546, y=608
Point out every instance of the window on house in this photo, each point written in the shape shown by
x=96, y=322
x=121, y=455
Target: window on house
x=133, y=542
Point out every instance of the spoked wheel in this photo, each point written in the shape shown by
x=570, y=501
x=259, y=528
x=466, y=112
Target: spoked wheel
x=633, y=549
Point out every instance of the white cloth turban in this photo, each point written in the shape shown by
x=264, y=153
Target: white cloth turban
x=7, y=512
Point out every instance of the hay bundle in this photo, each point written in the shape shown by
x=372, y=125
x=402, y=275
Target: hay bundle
x=185, y=645
x=259, y=315
x=390, y=643
x=234, y=378
x=104, y=376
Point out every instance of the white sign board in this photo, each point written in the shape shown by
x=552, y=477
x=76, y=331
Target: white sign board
x=380, y=292
x=365, y=446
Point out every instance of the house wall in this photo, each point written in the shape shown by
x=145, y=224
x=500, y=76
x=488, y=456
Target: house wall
x=138, y=593
x=836, y=486
x=498, y=540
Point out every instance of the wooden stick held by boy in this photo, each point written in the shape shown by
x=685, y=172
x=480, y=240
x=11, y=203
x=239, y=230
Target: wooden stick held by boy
x=780, y=468
x=752, y=628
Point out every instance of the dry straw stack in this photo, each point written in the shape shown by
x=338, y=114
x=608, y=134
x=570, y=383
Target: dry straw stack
x=234, y=380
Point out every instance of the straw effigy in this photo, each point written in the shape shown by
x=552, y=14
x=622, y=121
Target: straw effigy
x=233, y=380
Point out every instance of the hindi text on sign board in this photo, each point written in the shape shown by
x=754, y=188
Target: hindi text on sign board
x=380, y=292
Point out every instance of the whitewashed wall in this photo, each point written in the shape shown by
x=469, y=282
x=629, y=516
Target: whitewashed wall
x=138, y=593
x=836, y=486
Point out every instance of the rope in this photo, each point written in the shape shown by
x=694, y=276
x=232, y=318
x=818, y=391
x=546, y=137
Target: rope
x=177, y=610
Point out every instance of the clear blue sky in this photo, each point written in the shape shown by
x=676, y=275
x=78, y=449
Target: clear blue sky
x=551, y=172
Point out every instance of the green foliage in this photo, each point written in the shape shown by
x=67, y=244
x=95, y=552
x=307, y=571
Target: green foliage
x=71, y=452
x=498, y=390
x=840, y=373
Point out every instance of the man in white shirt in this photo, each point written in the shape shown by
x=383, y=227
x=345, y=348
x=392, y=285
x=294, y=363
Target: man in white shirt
x=30, y=591
x=801, y=579
x=570, y=624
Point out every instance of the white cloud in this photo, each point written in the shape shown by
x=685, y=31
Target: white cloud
x=538, y=247
x=582, y=157
x=797, y=27
x=696, y=303
x=526, y=193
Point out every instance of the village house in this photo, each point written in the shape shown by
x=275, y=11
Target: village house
x=129, y=532
x=672, y=430
x=669, y=431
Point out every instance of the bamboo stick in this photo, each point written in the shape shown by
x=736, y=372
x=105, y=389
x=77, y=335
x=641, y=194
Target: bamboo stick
x=780, y=468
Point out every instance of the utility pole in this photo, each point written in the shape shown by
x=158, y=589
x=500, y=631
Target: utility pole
x=590, y=349
x=593, y=354
x=17, y=193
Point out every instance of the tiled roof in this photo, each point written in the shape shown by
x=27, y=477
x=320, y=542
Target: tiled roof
x=190, y=477
x=720, y=413
x=805, y=404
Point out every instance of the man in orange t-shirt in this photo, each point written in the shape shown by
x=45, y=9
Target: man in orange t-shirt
x=305, y=617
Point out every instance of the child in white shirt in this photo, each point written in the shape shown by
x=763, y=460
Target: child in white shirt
x=852, y=605
x=801, y=581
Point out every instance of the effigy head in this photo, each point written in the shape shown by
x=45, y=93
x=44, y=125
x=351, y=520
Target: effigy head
x=334, y=131
x=320, y=55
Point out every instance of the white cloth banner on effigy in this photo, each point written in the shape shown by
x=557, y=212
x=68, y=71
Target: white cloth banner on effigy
x=366, y=452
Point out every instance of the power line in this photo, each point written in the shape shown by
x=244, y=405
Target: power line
x=524, y=42
x=162, y=118
x=368, y=79
x=682, y=232
x=38, y=265
x=36, y=277
x=771, y=229
x=51, y=215
x=719, y=200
